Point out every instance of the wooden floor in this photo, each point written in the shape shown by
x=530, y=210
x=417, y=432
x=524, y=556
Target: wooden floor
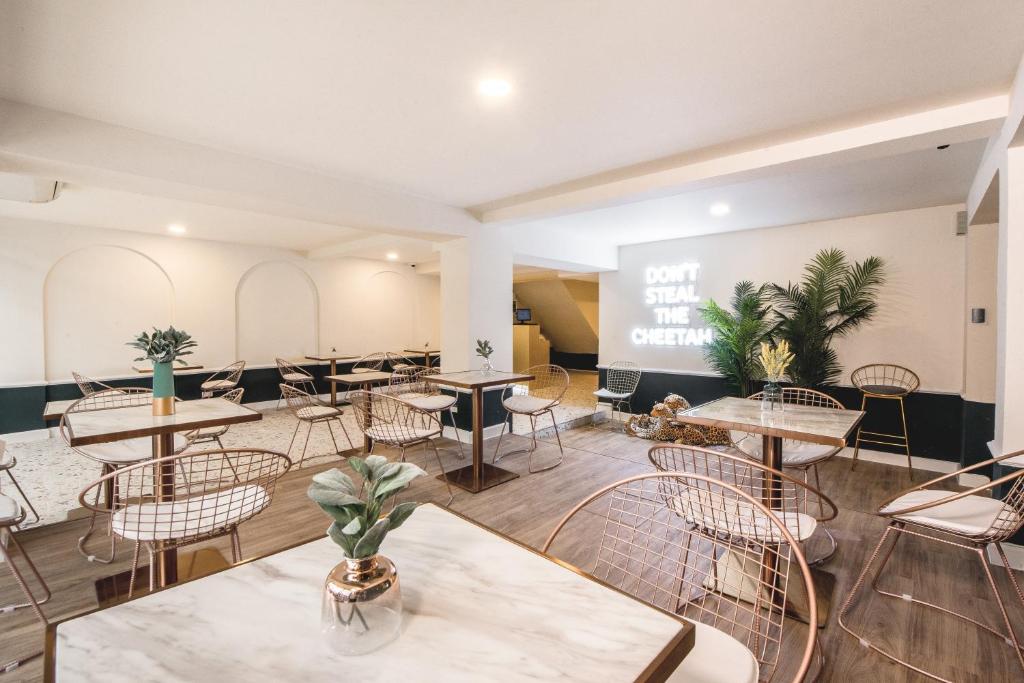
x=528, y=508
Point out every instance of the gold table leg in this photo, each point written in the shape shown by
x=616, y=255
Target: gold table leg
x=480, y=475
x=166, y=560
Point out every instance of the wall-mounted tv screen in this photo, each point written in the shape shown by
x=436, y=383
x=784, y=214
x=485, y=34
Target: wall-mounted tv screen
x=523, y=315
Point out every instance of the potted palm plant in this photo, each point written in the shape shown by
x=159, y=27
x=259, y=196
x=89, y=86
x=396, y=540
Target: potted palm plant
x=163, y=348
x=738, y=333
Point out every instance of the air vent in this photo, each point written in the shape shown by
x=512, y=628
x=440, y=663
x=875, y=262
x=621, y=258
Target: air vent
x=961, y=222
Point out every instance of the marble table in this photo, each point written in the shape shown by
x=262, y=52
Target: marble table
x=333, y=359
x=54, y=410
x=365, y=381
x=118, y=424
x=148, y=370
x=427, y=353
x=801, y=423
x=477, y=606
x=480, y=475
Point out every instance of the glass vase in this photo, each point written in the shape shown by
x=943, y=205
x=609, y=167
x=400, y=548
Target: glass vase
x=771, y=397
x=163, y=388
x=362, y=605
x=487, y=368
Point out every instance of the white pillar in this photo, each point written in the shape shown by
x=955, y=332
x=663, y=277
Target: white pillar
x=1009, y=428
x=476, y=299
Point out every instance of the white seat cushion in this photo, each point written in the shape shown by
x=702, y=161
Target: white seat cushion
x=296, y=377
x=9, y=509
x=738, y=518
x=793, y=452
x=526, y=404
x=971, y=516
x=430, y=404
x=127, y=451
x=716, y=657
x=316, y=412
x=399, y=434
x=604, y=393
x=191, y=516
x=215, y=384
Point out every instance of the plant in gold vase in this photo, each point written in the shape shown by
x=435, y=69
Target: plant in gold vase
x=362, y=600
x=774, y=361
x=163, y=348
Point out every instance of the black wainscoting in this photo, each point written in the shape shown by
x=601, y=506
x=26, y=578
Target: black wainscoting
x=574, y=361
x=941, y=426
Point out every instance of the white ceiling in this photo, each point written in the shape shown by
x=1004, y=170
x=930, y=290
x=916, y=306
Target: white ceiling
x=384, y=91
x=908, y=181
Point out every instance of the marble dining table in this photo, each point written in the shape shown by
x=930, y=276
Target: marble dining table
x=478, y=606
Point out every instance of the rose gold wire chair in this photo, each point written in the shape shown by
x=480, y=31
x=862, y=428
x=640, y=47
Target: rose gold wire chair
x=657, y=537
x=224, y=380
x=12, y=515
x=371, y=362
x=392, y=422
x=213, y=492
x=407, y=384
x=7, y=464
x=308, y=409
x=114, y=455
x=623, y=377
x=970, y=520
x=889, y=382
x=88, y=385
x=213, y=434
x=799, y=455
x=534, y=399
x=294, y=376
x=397, y=361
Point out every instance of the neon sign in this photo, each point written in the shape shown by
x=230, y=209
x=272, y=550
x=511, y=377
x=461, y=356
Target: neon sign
x=671, y=294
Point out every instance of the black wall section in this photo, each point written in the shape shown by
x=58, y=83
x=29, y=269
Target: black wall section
x=574, y=361
x=941, y=426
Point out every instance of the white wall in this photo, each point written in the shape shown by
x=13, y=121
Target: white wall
x=980, y=338
x=921, y=313
x=70, y=297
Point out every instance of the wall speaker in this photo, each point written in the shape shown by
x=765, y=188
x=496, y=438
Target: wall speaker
x=961, y=222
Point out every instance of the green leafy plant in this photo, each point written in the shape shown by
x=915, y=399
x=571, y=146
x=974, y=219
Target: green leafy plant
x=358, y=526
x=733, y=351
x=834, y=298
x=484, y=348
x=164, y=346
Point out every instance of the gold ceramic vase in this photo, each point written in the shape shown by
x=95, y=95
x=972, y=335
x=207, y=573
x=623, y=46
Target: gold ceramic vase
x=362, y=605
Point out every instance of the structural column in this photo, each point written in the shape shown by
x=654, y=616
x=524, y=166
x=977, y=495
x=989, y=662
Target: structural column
x=1009, y=427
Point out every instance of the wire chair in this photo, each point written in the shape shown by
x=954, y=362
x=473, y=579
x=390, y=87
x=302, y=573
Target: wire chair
x=890, y=382
x=533, y=399
x=623, y=377
x=7, y=463
x=799, y=455
x=12, y=516
x=112, y=456
x=371, y=362
x=294, y=376
x=407, y=384
x=644, y=536
x=971, y=520
x=224, y=380
x=308, y=409
x=88, y=385
x=212, y=492
x=392, y=422
x=213, y=434
x=397, y=361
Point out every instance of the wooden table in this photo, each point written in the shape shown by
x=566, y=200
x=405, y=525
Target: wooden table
x=800, y=423
x=54, y=410
x=177, y=368
x=365, y=381
x=427, y=353
x=480, y=475
x=478, y=606
x=333, y=358
x=118, y=424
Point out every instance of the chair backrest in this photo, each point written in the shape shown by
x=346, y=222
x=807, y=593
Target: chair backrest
x=371, y=362
x=804, y=397
x=550, y=382
x=885, y=375
x=235, y=395
x=88, y=385
x=776, y=489
x=623, y=377
x=288, y=368
x=409, y=380
x=390, y=420
x=634, y=538
x=296, y=398
x=397, y=361
x=122, y=397
x=210, y=492
x=230, y=373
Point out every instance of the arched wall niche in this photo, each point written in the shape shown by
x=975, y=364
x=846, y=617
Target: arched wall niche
x=95, y=299
x=276, y=313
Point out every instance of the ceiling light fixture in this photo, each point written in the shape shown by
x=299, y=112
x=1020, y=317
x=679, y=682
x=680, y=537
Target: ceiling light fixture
x=177, y=229
x=494, y=87
x=391, y=256
x=719, y=209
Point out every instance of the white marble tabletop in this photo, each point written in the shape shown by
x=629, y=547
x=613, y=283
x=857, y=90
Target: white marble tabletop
x=360, y=377
x=801, y=423
x=477, y=607
x=477, y=379
x=116, y=424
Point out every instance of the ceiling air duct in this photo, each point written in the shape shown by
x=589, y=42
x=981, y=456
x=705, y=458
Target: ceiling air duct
x=24, y=188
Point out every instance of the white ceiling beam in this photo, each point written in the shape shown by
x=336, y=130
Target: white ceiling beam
x=45, y=142
x=961, y=122
x=982, y=199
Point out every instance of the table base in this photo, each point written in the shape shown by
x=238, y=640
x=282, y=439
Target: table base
x=490, y=476
x=796, y=597
x=111, y=590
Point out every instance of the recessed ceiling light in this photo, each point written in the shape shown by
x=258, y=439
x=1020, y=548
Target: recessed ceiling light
x=494, y=87
x=391, y=256
x=177, y=229
x=719, y=209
